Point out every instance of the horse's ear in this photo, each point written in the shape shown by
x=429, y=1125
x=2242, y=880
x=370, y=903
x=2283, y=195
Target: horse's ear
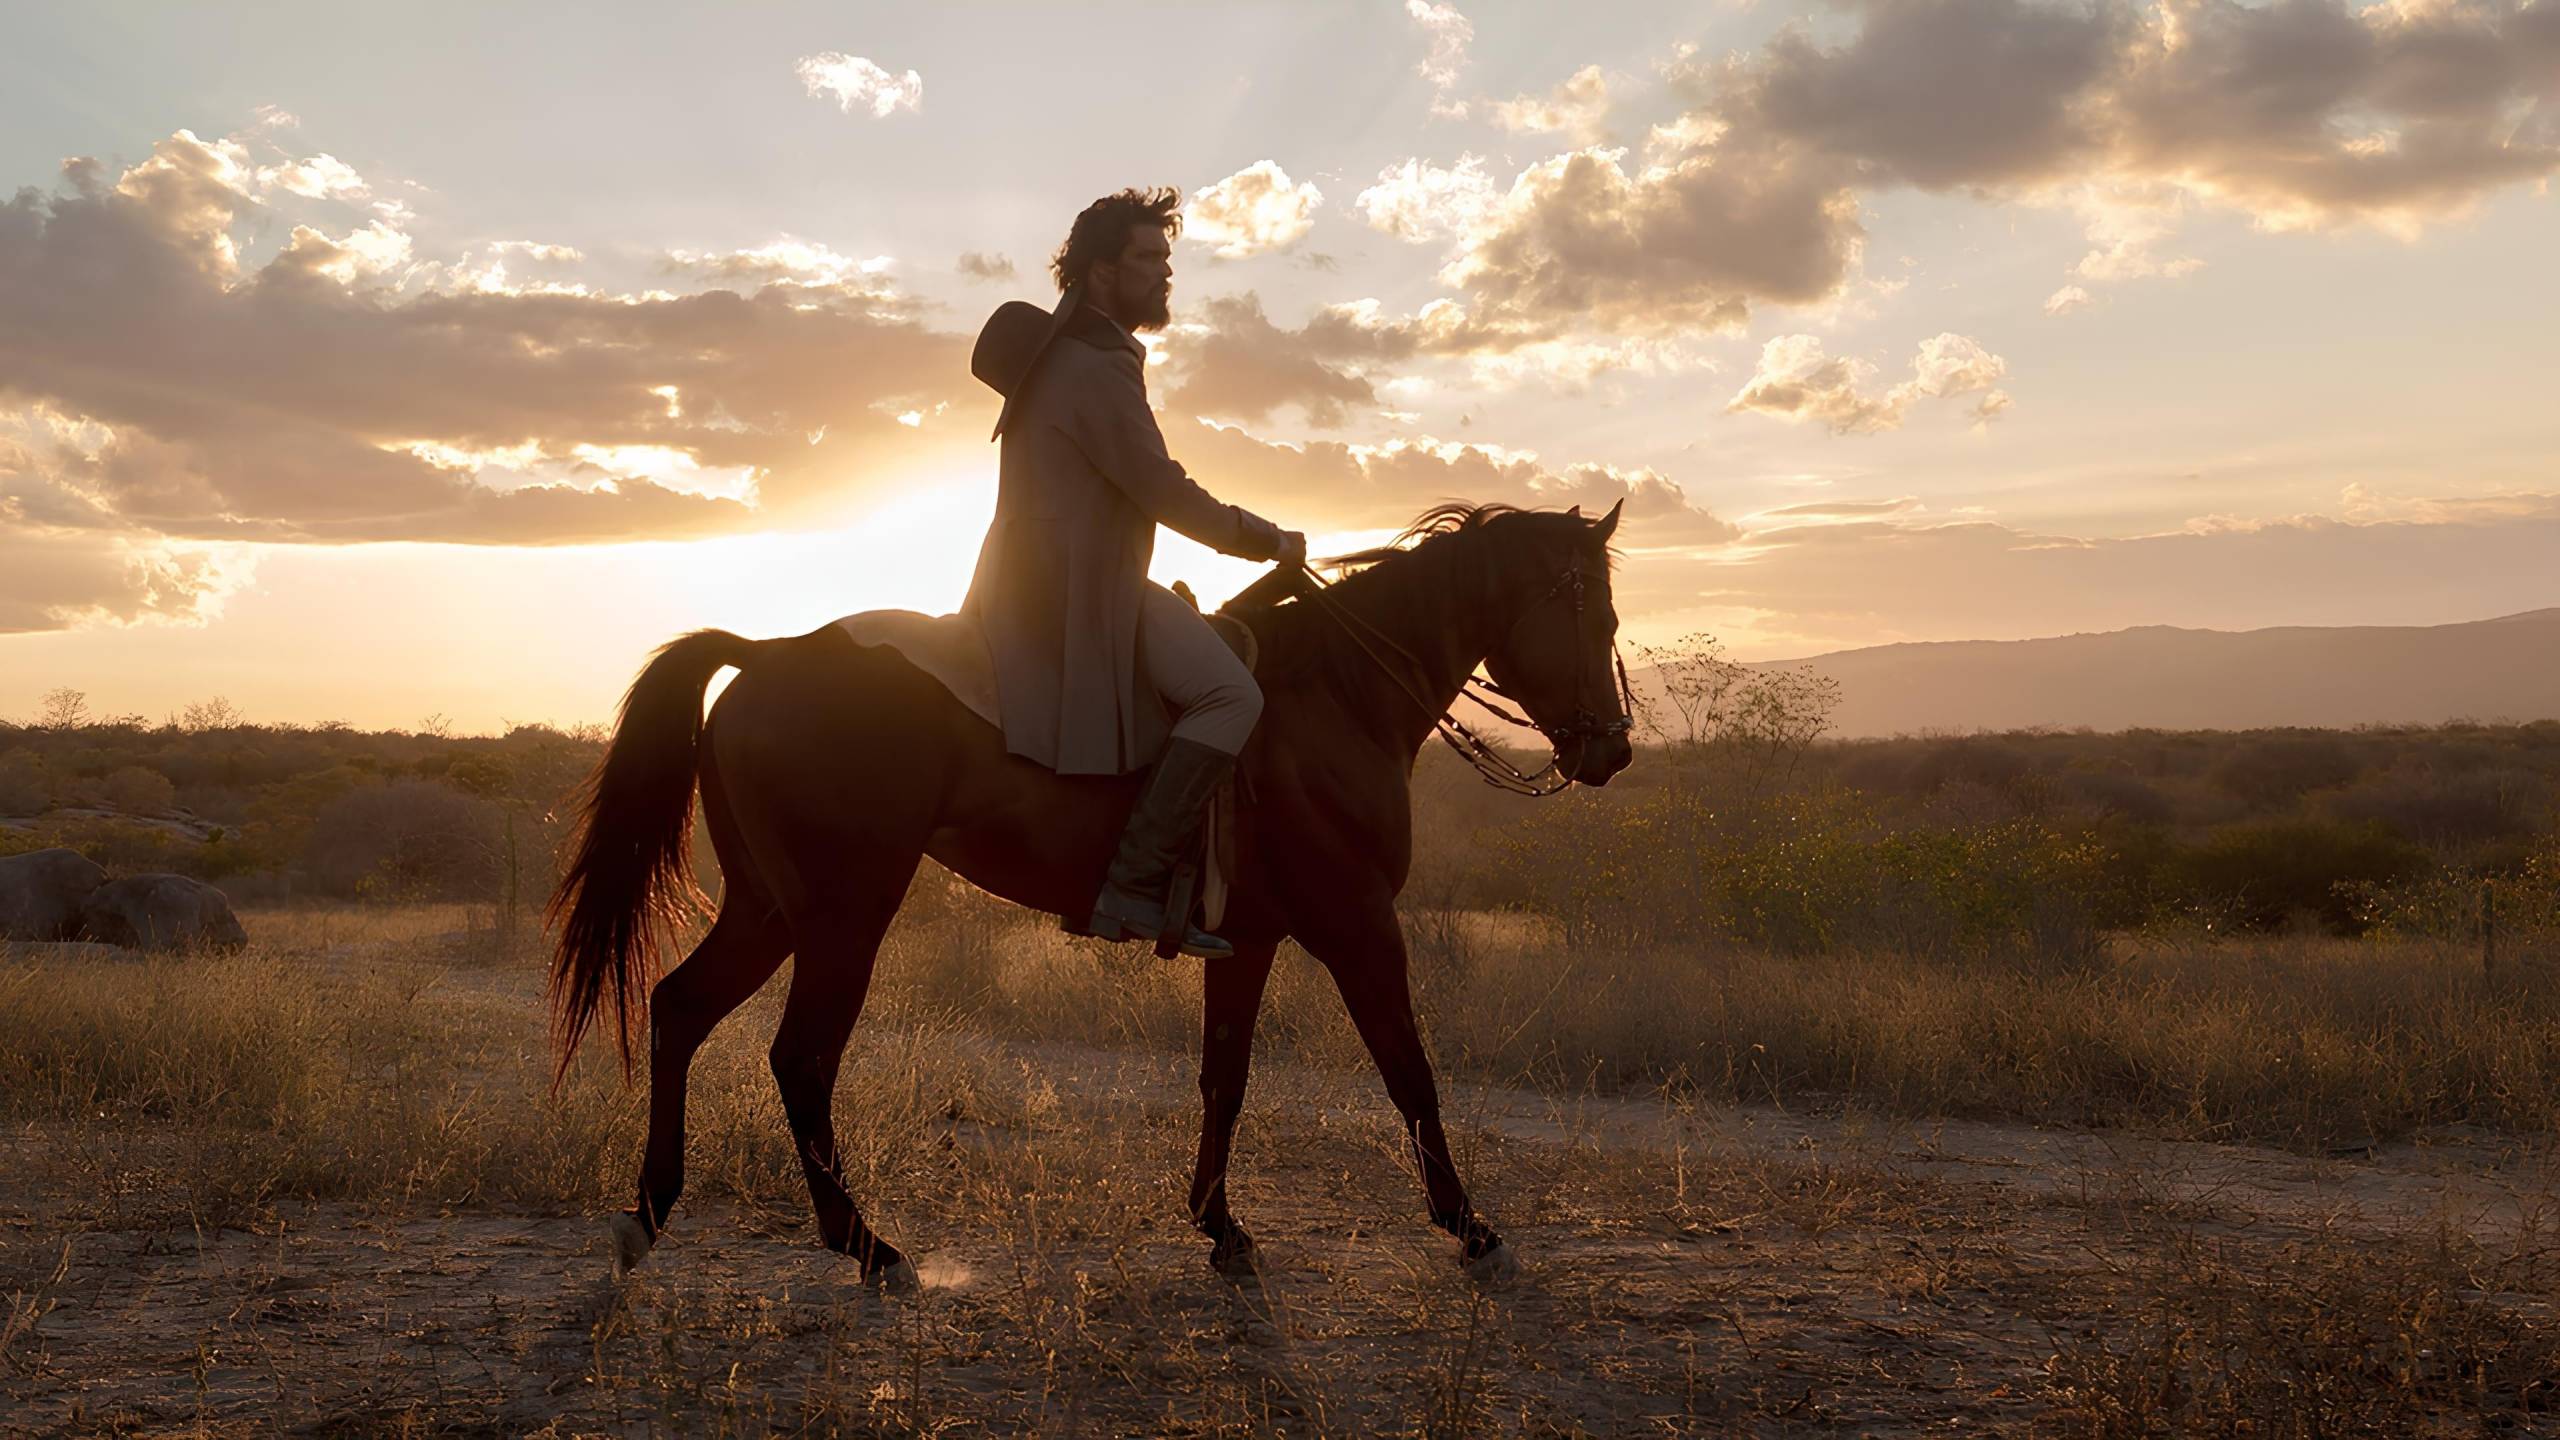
x=1575, y=512
x=1607, y=525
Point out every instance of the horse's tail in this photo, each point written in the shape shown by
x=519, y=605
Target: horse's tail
x=630, y=879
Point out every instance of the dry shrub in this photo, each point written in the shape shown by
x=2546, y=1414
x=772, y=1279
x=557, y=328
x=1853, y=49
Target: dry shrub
x=2330, y=1337
x=410, y=839
x=225, y=1083
x=1796, y=872
x=345, y=1056
x=2296, y=1042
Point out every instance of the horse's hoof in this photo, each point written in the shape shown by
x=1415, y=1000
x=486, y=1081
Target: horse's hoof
x=631, y=1243
x=1236, y=1257
x=896, y=1278
x=1494, y=1268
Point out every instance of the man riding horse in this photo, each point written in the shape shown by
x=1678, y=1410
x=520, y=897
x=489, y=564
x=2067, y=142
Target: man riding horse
x=818, y=840
x=1098, y=670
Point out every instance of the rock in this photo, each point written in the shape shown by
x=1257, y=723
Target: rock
x=41, y=893
x=161, y=912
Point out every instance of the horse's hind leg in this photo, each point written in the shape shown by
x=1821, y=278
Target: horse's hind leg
x=837, y=943
x=747, y=943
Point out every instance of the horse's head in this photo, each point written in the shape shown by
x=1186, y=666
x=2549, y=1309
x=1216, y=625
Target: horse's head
x=1558, y=655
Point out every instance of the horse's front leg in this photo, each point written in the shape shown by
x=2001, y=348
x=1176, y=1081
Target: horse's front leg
x=1362, y=944
x=1230, y=1002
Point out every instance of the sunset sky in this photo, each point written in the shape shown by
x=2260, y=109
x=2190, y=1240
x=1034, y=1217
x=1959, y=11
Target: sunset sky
x=369, y=362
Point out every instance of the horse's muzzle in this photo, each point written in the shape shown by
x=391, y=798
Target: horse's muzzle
x=1597, y=757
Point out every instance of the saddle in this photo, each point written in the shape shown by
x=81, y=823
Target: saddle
x=950, y=650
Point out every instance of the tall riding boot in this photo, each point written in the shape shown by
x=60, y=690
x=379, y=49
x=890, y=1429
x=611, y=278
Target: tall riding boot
x=1132, y=902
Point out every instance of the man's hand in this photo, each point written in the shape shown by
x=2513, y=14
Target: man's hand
x=1293, y=550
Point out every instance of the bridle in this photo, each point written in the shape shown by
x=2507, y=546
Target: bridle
x=1489, y=763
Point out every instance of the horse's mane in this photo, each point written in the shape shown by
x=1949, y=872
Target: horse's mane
x=1296, y=640
x=1449, y=517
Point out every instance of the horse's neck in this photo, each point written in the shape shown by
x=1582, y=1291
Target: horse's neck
x=1434, y=613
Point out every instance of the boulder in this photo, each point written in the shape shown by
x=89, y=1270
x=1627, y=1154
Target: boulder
x=41, y=893
x=161, y=912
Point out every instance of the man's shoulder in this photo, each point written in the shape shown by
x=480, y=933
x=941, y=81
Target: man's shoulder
x=1085, y=366
x=1100, y=332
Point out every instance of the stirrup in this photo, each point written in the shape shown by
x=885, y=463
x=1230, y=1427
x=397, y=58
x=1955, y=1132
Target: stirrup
x=1197, y=943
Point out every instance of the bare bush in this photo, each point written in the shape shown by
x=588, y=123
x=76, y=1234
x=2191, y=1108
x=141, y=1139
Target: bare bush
x=410, y=839
x=140, y=791
x=25, y=789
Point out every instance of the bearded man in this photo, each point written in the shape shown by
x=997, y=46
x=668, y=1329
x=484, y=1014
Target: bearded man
x=1098, y=670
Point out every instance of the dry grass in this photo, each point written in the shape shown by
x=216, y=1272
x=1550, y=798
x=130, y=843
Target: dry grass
x=2305, y=1042
x=314, y=1187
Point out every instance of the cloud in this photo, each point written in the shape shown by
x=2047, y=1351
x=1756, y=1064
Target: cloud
x=1232, y=362
x=317, y=177
x=1821, y=586
x=2070, y=299
x=788, y=261
x=2296, y=114
x=2127, y=222
x=2316, y=113
x=1417, y=202
x=857, y=84
x=1935, y=93
x=537, y=252
x=1383, y=486
x=1796, y=381
x=1449, y=33
x=342, y=391
x=1668, y=248
x=1254, y=210
x=1844, y=509
x=59, y=580
x=980, y=265
x=1235, y=364
x=1579, y=109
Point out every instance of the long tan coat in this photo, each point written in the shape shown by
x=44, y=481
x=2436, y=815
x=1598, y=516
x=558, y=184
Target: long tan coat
x=1084, y=481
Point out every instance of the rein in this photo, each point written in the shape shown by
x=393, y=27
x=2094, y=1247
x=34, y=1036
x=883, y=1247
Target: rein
x=1489, y=763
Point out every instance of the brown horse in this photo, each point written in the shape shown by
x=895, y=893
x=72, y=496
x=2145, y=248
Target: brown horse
x=828, y=770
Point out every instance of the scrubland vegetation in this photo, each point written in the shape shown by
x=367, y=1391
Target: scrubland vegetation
x=2297, y=937
x=2271, y=939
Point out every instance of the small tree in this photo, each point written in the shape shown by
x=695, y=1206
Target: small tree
x=1697, y=683
x=1763, y=719
x=217, y=713
x=63, y=708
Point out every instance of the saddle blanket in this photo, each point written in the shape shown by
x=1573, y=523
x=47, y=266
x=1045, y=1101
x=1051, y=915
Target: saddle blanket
x=951, y=650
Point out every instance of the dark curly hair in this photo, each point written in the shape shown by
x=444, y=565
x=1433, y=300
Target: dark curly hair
x=1102, y=231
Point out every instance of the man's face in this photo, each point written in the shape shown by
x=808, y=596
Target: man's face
x=1141, y=280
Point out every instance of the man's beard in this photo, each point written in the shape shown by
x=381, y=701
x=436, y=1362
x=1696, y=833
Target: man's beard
x=1152, y=310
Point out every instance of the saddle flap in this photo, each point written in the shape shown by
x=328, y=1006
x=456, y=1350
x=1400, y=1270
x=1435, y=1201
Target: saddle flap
x=1239, y=637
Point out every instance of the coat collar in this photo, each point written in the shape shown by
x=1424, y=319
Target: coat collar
x=1097, y=329
x=1015, y=338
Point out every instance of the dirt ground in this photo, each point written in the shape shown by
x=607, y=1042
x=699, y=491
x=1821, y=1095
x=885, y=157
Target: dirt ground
x=1685, y=1271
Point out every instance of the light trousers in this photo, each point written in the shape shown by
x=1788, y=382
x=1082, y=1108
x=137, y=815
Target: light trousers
x=1214, y=699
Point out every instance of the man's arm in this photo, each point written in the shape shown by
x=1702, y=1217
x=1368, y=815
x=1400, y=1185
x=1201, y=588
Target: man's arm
x=1112, y=425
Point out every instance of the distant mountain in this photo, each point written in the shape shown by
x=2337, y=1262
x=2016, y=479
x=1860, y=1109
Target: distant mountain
x=2164, y=677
